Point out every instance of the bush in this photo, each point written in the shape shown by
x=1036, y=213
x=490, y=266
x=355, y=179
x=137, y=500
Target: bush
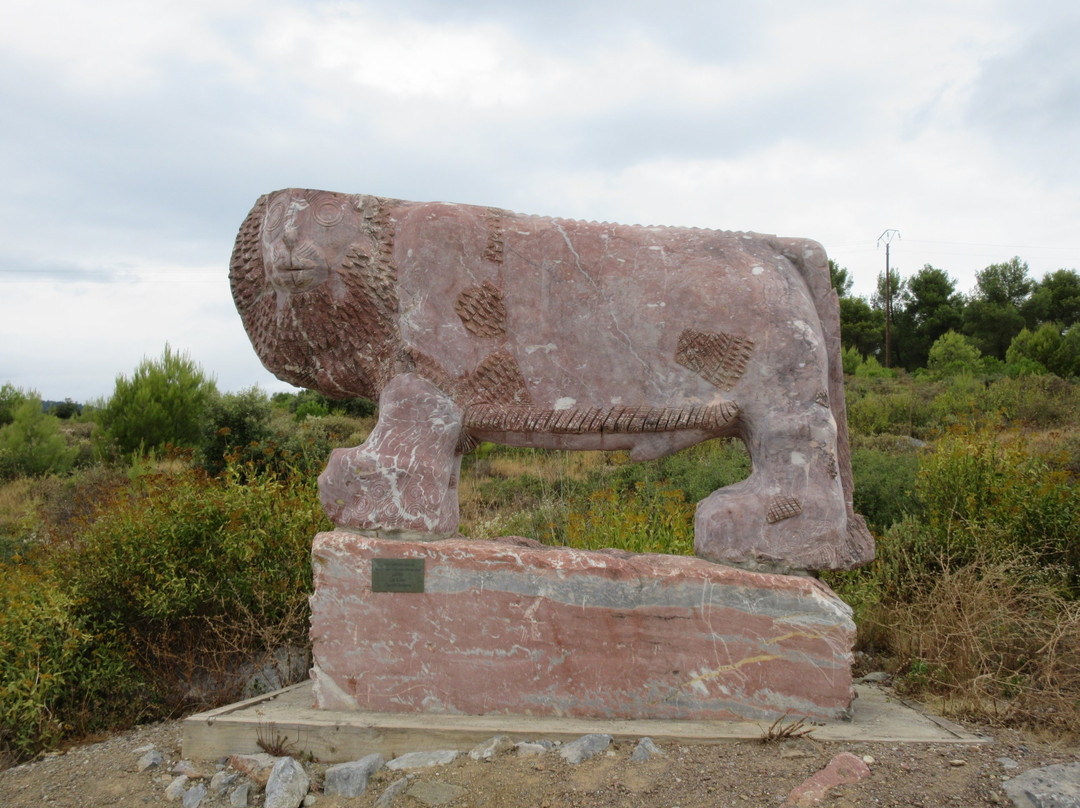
x=871, y=368
x=888, y=407
x=885, y=482
x=1032, y=401
x=992, y=641
x=232, y=422
x=199, y=573
x=851, y=359
x=11, y=398
x=57, y=677
x=977, y=500
x=32, y=444
x=952, y=354
x=163, y=601
x=1038, y=347
x=984, y=496
x=160, y=405
x=303, y=448
x=310, y=402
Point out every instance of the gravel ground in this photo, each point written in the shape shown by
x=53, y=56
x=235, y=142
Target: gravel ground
x=745, y=773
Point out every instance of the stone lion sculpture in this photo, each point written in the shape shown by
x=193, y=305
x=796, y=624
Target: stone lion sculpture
x=472, y=324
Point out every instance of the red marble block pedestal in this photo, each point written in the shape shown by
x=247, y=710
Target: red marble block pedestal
x=513, y=627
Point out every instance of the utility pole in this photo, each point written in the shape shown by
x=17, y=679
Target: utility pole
x=888, y=237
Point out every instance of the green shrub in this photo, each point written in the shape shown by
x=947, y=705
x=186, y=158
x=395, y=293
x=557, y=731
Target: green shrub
x=207, y=558
x=32, y=444
x=1031, y=401
x=884, y=482
x=646, y=519
x=960, y=402
x=58, y=676
x=696, y=471
x=977, y=499
x=160, y=405
x=11, y=398
x=983, y=495
x=851, y=359
x=155, y=602
x=1037, y=346
x=952, y=354
x=889, y=406
x=232, y=422
x=871, y=368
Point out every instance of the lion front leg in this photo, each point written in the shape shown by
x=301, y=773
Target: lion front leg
x=790, y=514
x=402, y=481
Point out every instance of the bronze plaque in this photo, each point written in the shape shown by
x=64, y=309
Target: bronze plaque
x=397, y=575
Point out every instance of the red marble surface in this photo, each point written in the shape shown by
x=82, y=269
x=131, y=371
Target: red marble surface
x=510, y=626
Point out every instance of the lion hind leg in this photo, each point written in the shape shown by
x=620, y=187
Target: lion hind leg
x=402, y=481
x=790, y=514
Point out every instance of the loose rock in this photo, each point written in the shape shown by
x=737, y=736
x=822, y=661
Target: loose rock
x=287, y=785
x=645, y=749
x=528, y=748
x=188, y=768
x=392, y=791
x=194, y=796
x=221, y=781
x=175, y=790
x=585, y=747
x=844, y=768
x=239, y=796
x=423, y=760
x=257, y=767
x=152, y=758
x=1056, y=786
x=351, y=779
x=491, y=747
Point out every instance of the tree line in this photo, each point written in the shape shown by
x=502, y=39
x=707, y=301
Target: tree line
x=1010, y=322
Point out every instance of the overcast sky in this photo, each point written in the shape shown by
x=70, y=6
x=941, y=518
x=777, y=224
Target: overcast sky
x=135, y=136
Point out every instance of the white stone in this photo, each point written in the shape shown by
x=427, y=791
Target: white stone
x=351, y=779
x=423, y=760
x=645, y=749
x=584, y=747
x=175, y=790
x=491, y=747
x=287, y=786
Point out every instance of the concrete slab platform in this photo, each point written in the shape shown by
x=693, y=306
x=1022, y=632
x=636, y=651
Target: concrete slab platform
x=287, y=717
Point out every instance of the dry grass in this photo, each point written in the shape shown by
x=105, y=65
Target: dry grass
x=489, y=509
x=19, y=501
x=990, y=642
x=785, y=729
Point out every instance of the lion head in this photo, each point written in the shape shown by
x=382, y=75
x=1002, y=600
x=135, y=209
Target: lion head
x=314, y=283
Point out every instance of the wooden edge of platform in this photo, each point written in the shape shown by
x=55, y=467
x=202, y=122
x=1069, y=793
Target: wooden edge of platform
x=286, y=718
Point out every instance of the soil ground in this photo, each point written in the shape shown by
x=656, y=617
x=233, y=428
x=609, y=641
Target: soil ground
x=743, y=773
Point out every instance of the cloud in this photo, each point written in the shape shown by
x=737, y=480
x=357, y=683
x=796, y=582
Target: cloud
x=138, y=136
x=1026, y=99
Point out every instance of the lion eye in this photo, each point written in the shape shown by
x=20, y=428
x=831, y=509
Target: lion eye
x=275, y=216
x=328, y=212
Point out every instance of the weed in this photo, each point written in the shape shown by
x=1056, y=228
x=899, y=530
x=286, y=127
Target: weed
x=273, y=742
x=780, y=731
